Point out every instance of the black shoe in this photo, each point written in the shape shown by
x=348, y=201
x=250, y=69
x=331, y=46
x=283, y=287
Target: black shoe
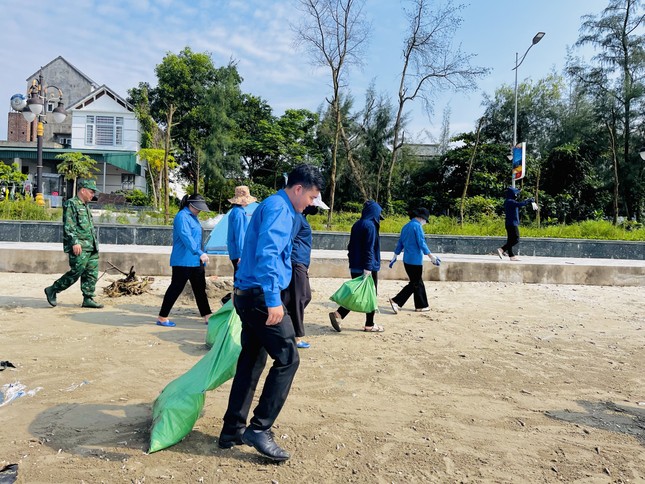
x=264, y=444
x=88, y=302
x=51, y=295
x=226, y=441
x=334, y=321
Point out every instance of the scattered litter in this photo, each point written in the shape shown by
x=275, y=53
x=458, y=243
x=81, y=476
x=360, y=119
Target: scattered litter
x=74, y=386
x=6, y=364
x=10, y=391
x=9, y=474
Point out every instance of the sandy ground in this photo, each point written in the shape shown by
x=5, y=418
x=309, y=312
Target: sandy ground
x=498, y=383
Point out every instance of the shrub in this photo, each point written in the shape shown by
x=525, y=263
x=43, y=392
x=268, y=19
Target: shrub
x=137, y=198
x=28, y=209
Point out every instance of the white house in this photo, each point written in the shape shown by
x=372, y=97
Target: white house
x=103, y=122
x=99, y=123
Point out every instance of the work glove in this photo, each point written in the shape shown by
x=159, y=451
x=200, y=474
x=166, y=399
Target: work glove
x=367, y=272
x=392, y=261
x=203, y=259
x=435, y=260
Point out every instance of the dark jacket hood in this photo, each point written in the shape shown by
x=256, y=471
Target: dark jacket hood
x=372, y=211
x=512, y=193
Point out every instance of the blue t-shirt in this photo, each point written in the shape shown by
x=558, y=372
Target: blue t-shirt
x=266, y=257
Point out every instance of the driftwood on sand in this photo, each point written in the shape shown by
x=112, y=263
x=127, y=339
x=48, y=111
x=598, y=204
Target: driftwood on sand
x=130, y=285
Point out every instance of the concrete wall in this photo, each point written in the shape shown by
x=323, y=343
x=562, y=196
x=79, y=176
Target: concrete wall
x=12, y=231
x=50, y=259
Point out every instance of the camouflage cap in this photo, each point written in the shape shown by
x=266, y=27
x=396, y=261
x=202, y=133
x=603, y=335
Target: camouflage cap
x=89, y=184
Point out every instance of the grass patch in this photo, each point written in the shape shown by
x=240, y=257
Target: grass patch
x=485, y=226
x=490, y=226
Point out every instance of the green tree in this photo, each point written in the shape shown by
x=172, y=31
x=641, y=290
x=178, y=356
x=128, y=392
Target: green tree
x=178, y=104
x=224, y=100
x=76, y=165
x=154, y=158
x=615, y=77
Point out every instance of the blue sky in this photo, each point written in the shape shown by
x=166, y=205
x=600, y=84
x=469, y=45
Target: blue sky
x=119, y=42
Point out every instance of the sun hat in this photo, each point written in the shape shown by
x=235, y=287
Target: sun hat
x=242, y=196
x=89, y=184
x=319, y=203
x=198, y=203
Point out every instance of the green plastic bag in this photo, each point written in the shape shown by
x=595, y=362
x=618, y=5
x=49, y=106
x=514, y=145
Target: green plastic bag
x=357, y=294
x=180, y=404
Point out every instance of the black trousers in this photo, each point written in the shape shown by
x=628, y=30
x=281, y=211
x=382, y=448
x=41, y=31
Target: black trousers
x=512, y=239
x=180, y=276
x=297, y=296
x=369, y=317
x=415, y=286
x=258, y=340
x=227, y=296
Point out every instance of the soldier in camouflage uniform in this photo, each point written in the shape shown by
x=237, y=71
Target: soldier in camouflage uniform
x=79, y=241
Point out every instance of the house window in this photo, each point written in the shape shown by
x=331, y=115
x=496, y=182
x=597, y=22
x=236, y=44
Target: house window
x=127, y=181
x=104, y=130
x=89, y=130
x=118, y=133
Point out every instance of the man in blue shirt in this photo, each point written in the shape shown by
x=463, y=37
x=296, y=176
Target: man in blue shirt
x=264, y=271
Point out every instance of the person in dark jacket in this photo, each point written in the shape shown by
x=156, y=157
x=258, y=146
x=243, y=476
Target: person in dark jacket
x=364, y=253
x=412, y=243
x=512, y=214
x=187, y=259
x=297, y=296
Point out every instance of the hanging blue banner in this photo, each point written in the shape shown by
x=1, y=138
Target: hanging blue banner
x=519, y=161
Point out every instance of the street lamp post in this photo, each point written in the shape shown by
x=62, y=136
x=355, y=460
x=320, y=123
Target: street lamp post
x=37, y=97
x=518, y=63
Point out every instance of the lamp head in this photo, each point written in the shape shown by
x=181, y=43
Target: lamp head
x=538, y=37
x=35, y=103
x=28, y=115
x=59, y=113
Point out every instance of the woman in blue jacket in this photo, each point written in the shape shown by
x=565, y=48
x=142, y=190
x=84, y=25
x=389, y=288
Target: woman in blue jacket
x=187, y=259
x=364, y=252
x=413, y=245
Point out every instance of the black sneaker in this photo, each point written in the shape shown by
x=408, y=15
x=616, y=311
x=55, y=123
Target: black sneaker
x=51, y=295
x=263, y=442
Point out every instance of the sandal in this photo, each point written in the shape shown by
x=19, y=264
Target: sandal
x=167, y=324
x=374, y=329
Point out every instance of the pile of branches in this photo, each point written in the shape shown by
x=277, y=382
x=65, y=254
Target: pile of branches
x=130, y=285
